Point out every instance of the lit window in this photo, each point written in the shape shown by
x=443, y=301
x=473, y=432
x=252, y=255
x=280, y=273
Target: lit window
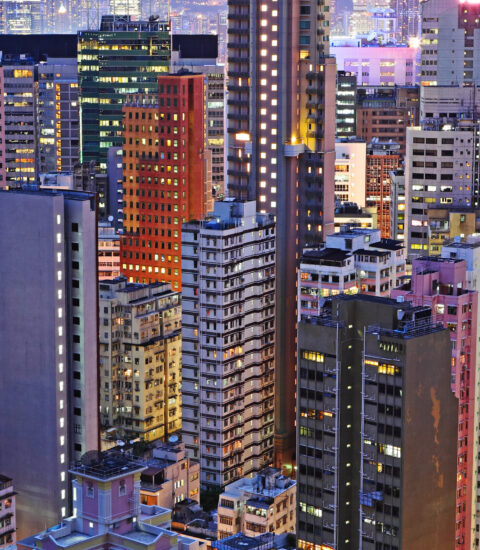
x=263, y=97
x=59, y=273
x=263, y=198
x=59, y=238
x=59, y=219
x=263, y=53
x=62, y=458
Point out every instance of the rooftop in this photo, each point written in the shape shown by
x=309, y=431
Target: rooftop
x=241, y=541
x=106, y=465
x=325, y=256
x=388, y=244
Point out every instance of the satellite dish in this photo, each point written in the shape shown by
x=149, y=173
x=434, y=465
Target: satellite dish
x=110, y=218
x=90, y=458
x=120, y=443
x=173, y=439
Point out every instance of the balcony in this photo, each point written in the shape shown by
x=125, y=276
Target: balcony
x=293, y=148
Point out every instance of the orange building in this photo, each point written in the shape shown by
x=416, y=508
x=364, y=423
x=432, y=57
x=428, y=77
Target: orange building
x=382, y=158
x=163, y=176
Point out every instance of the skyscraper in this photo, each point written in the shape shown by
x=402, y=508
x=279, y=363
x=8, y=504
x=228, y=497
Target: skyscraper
x=123, y=57
x=164, y=177
x=376, y=420
x=48, y=346
x=281, y=151
x=228, y=339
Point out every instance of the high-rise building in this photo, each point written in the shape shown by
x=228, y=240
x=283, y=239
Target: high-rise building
x=8, y=526
x=18, y=124
x=382, y=158
x=449, y=43
x=350, y=171
x=123, y=57
x=58, y=115
x=346, y=103
x=163, y=177
x=281, y=151
x=108, y=250
x=199, y=54
x=125, y=7
x=470, y=252
x=384, y=113
x=140, y=353
x=397, y=204
x=228, y=312
x=55, y=281
x=439, y=171
x=353, y=260
x=23, y=16
x=440, y=283
x=376, y=419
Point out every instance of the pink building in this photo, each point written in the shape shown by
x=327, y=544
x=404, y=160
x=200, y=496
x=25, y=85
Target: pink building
x=441, y=283
x=107, y=512
x=7, y=512
x=378, y=65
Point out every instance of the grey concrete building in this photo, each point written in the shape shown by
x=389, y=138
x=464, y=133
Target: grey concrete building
x=377, y=424
x=48, y=347
x=228, y=339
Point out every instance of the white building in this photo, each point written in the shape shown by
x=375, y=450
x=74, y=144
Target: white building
x=353, y=260
x=438, y=172
x=265, y=503
x=228, y=285
x=8, y=525
x=350, y=171
x=450, y=43
x=378, y=65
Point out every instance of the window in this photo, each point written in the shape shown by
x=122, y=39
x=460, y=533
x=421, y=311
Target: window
x=75, y=227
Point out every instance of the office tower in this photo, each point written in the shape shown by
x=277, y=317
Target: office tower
x=281, y=151
x=106, y=489
x=131, y=55
x=115, y=186
x=23, y=16
x=376, y=420
x=346, y=99
x=397, y=205
x=382, y=158
x=163, y=177
x=350, y=171
x=441, y=284
x=17, y=131
x=351, y=261
x=385, y=113
x=264, y=503
x=470, y=252
x=408, y=20
x=54, y=280
x=108, y=251
x=140, y=352
x=449, y=44
x=438, y=172
x=228, y=312
x=58, y=115
x=199, y=54
x=8, y=525
x=171, y=477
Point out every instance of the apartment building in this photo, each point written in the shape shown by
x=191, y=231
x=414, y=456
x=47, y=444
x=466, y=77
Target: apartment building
x=140, y=356
x=108, y=252
x=228, y=311
x=376, y=468
x=350, y=171
x=353, y=260
x=171, y=476
x=264, y=503
x=441, y=284
x=438, y=172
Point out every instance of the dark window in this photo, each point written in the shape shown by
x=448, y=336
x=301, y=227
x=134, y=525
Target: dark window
x=77, y=411
x=75, y=283
x=76, y=320
x=77, y=375
x=75, y=227
x=75, y=246
x=77, y=393
x=78, y=447
x=75, y=265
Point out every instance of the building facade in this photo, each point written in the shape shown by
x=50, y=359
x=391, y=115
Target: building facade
x=264, y=503
x=55, y=280
x=140, y=347
x=281, y=150
x=350, y=171
x=8, y=526
x=228, y=312
x=352, y=261
x=440, y=283
x=122, y=52
x=164, y=177
x=359, y=428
